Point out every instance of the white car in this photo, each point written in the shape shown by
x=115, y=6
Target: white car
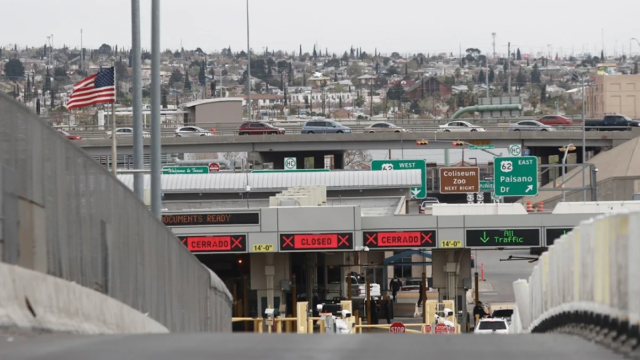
x=460, y=126
x=492, y=326
x=120, y=132
x=189, y=131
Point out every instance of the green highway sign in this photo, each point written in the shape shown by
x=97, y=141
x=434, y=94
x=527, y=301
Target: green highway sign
x=503, y=237
x=482, y=147
x=553, y=234
x=486, y=185
x=291, y=171
x=393, y=165
x=516, y=176
x=173, y=170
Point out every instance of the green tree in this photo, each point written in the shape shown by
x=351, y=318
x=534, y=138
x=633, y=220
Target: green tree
x=535, y=75
x=492, y=75
x=104, y=49
x=187, y=82
x=359, y=101
x=518, y=55
x=481, y=77
x=176, y=77
x=164, y=98
x=392, y=70
x=534, y=97
x=635, y=68
x=47, y=82
x=14, y=68
x=543, y=93
x=396, y=92
x=415, y=107
x=201, y=74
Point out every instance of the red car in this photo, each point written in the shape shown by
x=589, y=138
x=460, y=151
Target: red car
x=555, y=120
x=259, y=128
x=69, y=136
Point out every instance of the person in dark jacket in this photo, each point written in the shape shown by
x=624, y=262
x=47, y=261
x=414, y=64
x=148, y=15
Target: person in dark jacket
x=420, y=292
x=395, y=284
x=479, y=310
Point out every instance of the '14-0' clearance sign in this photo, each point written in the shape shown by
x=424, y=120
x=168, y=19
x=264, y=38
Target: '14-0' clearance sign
x=400, y=239
x=330, y=241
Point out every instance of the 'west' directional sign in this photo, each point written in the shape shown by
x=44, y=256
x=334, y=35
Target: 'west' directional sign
x=516, y=176
x=400, y=239
x=393, y=165
x=503, y=237
x=552, y=234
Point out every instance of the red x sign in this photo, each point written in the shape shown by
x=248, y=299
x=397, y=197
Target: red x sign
x=236, y=243
x=288, y=241
x=426, y=238
x=371, y=239
x=343, y=240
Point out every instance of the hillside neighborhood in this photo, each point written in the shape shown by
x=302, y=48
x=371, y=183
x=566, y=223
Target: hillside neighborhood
x=312, y=81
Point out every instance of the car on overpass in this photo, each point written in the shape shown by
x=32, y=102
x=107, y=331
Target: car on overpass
x=69, y=136
x=383, y=127
x=530, y=125
x=127, y=131
x=555, y=120
x=191, y=131
x=460, y=126
x=259, y=128
x=324, y=127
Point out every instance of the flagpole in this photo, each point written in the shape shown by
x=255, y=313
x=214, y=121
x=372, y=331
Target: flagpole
x=114, y=146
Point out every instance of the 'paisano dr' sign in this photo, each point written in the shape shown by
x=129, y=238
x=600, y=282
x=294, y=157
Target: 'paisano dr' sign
x=503, y=237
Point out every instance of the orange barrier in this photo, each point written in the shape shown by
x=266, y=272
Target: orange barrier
x=529, y=206
x=482, y=271
x=540, y=206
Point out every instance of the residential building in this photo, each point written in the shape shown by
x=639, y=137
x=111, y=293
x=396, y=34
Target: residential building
x=205, y=112
x=614, y=94
x=426, y=87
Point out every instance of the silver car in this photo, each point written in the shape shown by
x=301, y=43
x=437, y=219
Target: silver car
x=530, y=125
x=383, y=127
x=189, y=131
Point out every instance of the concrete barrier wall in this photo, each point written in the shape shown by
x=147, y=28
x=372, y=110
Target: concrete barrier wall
x=30, y=300
x=587, y=280
x=65, y=215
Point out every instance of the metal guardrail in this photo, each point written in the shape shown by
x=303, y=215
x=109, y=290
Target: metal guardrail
x=66, y=216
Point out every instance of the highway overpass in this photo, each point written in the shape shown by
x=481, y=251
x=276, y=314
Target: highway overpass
x=338, y=142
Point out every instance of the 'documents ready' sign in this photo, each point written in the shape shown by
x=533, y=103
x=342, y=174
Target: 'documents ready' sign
x=211, y=219
x=400, y=239
x=302, y=242
x=215, y=243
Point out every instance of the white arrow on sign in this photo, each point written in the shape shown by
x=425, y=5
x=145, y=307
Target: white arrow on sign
x=415, y=191
x=529, y=188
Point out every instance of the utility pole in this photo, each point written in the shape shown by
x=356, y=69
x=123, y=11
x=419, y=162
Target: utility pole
x=156, y=186
x=494, y=45
x=248, y=68
x=136, y=63
x=371, y=99
x=81, y=53
x=509, y=69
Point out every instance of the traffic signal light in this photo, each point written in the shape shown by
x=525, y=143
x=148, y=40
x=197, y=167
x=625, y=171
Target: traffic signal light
x=422, y=142
x=458, y=143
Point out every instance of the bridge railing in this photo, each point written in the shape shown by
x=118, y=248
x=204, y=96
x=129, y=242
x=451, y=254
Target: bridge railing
x=63, y=214
x=587, y=283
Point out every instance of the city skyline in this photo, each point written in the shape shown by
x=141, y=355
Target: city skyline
x=284, y=25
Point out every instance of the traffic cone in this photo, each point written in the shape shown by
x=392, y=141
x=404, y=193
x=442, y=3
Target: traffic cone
x=540, y=206
x=529, y=206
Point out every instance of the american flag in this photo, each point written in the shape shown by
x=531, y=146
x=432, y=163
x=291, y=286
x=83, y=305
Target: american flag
x=96, y=89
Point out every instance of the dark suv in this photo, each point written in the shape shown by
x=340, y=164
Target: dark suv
x=259, y=128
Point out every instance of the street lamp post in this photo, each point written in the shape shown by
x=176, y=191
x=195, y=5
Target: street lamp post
x=584, y=130
x=248, y=68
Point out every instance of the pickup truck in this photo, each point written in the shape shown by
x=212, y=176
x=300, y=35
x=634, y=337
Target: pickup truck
x=612, y=123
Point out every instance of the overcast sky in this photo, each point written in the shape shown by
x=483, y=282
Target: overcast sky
x=406, y=26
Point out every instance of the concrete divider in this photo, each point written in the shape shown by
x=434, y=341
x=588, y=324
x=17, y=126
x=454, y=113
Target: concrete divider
x=588, y=284
x=31, y=300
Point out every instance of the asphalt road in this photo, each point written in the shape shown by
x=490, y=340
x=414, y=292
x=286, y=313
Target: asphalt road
x=500, y=275
x=285, y=347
